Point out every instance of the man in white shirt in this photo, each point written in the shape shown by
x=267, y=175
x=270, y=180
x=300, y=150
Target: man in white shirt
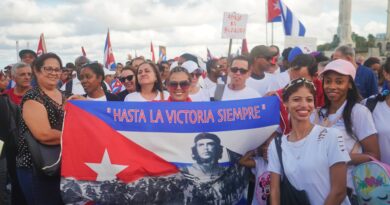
x=237, y=89
x=74, y=86
x=260, y=58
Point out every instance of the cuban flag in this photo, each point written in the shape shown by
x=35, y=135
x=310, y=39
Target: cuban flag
x=41, y=45
x=161, y=152
x=116, y=86
x=109, y=60
x=273, y=14
x=292, y=25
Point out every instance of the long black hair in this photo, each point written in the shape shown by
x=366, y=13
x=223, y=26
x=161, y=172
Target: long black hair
x=353, y=97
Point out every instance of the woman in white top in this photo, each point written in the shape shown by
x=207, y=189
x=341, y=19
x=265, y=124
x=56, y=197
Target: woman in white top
x=148, y=84
x=343, y=111
x=314, y=157
x=381, y=116
x=92, y=79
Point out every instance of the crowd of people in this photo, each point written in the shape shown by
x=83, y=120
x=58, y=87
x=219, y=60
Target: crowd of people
x=324, y=120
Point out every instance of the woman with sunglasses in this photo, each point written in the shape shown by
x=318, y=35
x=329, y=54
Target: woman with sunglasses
x=343, y=111
x=42, y=111
x=148, y=84
x=178, y=85
x=92, y=80
x=127, y=78
x=197, y=92
x=312, y=158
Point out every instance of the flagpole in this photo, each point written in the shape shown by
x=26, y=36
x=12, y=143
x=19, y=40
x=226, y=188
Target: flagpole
x=266, y=24
x=230, y=49
x=17, y=51
x=272, y=33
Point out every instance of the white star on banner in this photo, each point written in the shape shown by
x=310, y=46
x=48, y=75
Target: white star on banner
x=276, y=6
x=105, y=170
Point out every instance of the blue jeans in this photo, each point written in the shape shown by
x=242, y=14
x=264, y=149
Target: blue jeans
x=39, y=189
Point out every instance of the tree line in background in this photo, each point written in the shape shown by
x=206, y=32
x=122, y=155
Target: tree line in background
x=361, y=43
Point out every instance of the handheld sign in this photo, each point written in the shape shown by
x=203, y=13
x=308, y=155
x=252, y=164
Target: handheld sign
x=234, y=25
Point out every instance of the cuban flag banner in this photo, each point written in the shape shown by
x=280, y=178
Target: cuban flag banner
x=109, y=60
x=273, y=11
x=292, y=25
x=161, y=152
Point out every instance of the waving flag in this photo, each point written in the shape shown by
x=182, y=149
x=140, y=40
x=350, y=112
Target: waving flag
x=209, y=55
x=292, y=25
x=109, y=60
x=116, y=86
x=152, y=52
x=244, y=47
x=152, y=153
x=83, y=51
x=162, y=53
x=273, y=14
x=41, y=45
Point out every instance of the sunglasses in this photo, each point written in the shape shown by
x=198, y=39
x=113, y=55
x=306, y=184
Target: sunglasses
x=241, y=70
x=128, y=78
x=183, y=84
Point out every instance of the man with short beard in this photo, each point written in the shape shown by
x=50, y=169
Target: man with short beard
x=74, y=86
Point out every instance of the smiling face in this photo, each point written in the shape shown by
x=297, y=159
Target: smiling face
x=178, y=86
x=336, y=86
x=300, y=104
x=89, y=80
x=129, y=84
x=50, y=72
x=146, y=75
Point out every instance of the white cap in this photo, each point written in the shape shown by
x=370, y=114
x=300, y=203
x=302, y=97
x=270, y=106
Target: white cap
x=191, y=66
x=108, y=72
x=173, y=65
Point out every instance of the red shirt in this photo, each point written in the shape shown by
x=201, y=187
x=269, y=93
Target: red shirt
x=171, y=100
x=285, y=124
x=17, y=99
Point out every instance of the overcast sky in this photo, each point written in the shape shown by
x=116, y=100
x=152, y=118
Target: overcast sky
x=180, y=25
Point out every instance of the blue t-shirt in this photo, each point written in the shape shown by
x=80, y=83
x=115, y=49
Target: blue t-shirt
x=366, y=81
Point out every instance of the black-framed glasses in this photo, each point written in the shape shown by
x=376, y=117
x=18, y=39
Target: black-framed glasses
x=237, y=69
x=49, y=69
x=128, y=78
x=184, y=85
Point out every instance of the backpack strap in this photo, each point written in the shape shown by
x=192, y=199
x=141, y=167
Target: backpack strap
x=371, y=103
x=278, y=145
x=219, y=92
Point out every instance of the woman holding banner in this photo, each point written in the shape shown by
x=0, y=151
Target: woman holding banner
x=148, y=84
x=311, y=158
x=178, y=85
x=91, y=77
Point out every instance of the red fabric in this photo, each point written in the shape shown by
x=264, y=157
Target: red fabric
x=171, y=100
x=41, y=45
x=285, y=124
x=152, y=51
x=93, y=136
x=17, y=99
x=273, y=10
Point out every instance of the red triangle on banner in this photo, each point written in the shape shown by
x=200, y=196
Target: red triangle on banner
x=86, y=139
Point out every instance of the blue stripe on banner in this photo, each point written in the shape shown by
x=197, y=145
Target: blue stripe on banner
x=289, y=22
x=185, y=117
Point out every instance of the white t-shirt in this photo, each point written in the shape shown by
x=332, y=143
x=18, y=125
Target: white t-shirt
x=201, y=96
x=137, y=97
x=262, y=182
x=307, y=161
x=279, y=81
x=77, y=88
x=262, y=85
x=103, y=98
x=246, y=93
x=381, y=116
x=362, y=127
